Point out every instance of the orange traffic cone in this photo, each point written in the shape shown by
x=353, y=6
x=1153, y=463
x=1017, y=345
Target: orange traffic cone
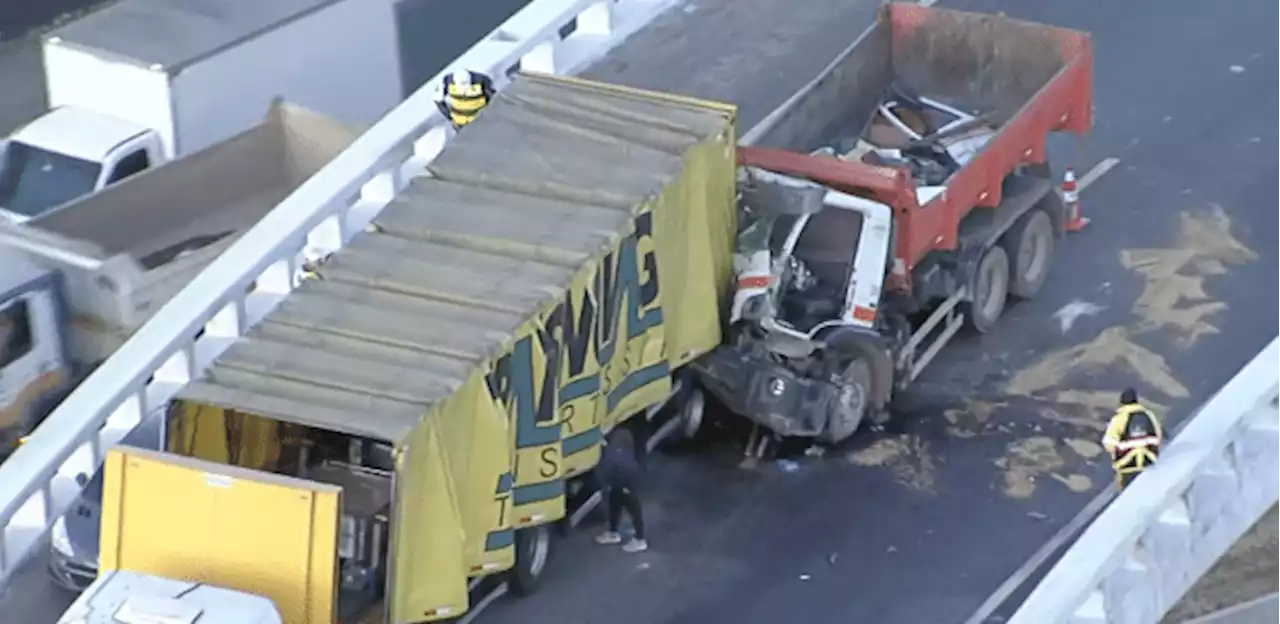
x=1071, y=197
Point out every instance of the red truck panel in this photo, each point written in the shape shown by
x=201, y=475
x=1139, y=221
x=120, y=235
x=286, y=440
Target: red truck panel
x=1043, y=75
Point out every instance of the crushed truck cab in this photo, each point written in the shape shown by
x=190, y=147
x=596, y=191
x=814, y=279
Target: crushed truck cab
x=455, y=367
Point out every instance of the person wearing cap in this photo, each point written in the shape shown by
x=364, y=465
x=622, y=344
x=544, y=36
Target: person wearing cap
x=1133, y=439
x=463, y=94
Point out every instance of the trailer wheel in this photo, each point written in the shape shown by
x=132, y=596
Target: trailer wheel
x=1029, y=244
x=533, y=551
x=990, y=290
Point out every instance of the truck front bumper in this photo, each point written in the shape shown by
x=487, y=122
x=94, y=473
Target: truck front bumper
x=69, y=572
x=750, y=385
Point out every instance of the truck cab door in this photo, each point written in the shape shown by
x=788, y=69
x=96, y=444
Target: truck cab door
x=33, y=371
x=130, y=159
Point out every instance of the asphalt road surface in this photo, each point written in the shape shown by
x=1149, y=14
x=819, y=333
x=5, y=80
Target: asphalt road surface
x=996, y=448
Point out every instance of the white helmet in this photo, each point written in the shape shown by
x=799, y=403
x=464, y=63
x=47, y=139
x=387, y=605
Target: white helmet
x=460, y=77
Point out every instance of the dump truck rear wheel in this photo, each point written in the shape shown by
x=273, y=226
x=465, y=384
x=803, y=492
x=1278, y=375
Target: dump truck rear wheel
x=1029, y=245
x=533, y=551
x=990, y=285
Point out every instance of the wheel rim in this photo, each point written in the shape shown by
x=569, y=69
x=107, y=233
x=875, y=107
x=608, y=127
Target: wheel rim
x=991, y=279
x=693, y=412
x=1033, y=253
x=854, y=381
x=538, y=550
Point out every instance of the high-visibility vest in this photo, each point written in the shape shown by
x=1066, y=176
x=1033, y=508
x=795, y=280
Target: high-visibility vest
x=464, y=102
x=1133, y=437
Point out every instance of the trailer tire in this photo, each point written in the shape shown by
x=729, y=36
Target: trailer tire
x=990, y=290
x=533, y=552
x=1029, y=245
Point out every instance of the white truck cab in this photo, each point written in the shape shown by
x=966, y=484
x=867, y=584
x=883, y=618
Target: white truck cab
x=122, y=597
x=77, y=279
x=68, y=153
x=142, y=82
x=34, y=371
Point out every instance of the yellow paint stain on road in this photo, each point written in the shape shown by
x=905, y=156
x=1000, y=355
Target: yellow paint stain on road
x=1077, y=483
x=1086, y=449
x=1029, y=461
x=1105, y=353
x=971, y=419
x=908, y=457
x=1173, y=295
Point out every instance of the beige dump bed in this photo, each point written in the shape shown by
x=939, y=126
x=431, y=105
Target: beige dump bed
x=546, y=182
x=125, y=251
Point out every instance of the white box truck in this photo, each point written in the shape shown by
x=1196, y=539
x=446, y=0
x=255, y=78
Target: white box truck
x=145, y=81
x=78, y=280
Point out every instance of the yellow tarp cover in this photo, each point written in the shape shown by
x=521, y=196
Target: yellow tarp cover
x=586, y=226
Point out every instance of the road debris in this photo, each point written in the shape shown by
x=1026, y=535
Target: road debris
x=1067, y=314
x=908, y=457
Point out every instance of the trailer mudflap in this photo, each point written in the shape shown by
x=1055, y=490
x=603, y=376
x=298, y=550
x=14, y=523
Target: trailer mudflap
x=185, y=518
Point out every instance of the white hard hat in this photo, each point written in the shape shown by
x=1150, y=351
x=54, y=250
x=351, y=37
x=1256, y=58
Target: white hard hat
x=461, y=77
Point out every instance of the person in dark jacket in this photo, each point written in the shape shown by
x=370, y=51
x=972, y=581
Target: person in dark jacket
x=619, y=477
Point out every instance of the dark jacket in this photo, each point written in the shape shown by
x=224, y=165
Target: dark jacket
x=617, y=468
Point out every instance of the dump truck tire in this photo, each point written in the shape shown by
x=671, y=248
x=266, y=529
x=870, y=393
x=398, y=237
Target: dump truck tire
x=990, y=292
x=1029, y=245
x=533, y=552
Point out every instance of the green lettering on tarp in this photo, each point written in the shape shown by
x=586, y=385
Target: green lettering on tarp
x=620, y=292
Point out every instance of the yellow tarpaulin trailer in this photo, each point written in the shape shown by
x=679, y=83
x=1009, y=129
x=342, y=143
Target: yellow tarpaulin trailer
x=562, y=257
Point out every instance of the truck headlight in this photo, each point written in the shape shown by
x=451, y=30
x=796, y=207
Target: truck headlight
x=777, y=387
x=58, y=538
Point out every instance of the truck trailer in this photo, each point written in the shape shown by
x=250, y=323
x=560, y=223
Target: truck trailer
x=141, y=82
x=410, y=421
x=77, y=281
x=450, y=370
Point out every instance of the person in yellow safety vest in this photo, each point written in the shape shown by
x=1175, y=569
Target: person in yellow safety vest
x=463, y=94
x=1133, y=439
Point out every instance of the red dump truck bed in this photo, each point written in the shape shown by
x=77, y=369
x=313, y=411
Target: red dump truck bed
x=1023, y=80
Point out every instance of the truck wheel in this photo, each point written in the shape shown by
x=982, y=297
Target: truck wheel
x=1029, y=245
x=851, y=405
x=692, y=413
x=533, y=551
x=990, y=290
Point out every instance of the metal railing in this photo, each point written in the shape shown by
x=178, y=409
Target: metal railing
x=37, y=482
x=1213, y=481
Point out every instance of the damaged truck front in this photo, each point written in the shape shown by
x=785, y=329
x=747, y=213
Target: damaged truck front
x=903, y=193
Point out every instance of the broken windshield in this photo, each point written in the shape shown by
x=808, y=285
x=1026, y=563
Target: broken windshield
x=764, y=232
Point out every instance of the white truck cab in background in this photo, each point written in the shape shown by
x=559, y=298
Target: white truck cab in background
x=121, y=597
x=142, y=82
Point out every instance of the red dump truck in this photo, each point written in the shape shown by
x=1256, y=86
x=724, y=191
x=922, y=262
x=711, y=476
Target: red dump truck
x=902, y=194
